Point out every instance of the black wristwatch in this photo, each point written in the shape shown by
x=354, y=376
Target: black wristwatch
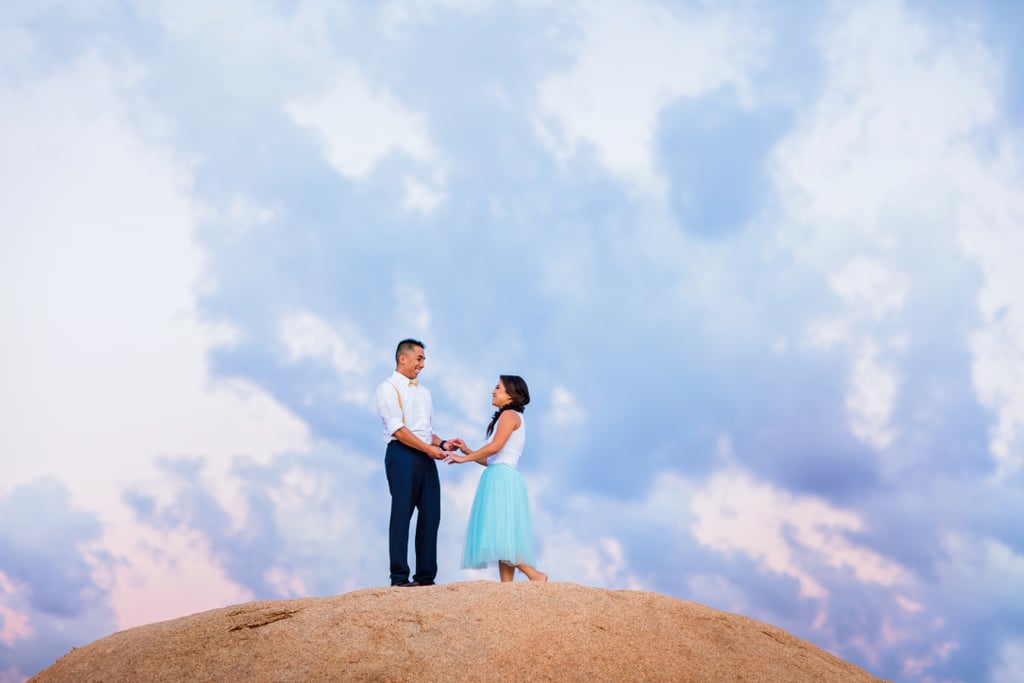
x=441, y=445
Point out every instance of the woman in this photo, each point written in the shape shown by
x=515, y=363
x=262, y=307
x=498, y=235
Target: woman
x=499, y=523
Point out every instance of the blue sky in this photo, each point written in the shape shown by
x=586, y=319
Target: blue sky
x=757, y=261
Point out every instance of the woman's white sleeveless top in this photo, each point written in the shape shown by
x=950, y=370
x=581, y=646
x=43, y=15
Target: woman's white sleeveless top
x=513, y=448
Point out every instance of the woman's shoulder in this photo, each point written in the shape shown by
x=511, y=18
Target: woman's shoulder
x=511, y=417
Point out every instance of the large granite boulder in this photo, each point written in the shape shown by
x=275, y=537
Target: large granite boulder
x=476, y=631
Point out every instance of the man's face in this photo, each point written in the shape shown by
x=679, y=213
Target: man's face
x=410, y=364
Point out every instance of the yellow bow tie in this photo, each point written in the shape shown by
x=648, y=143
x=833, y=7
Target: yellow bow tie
x=414, y=383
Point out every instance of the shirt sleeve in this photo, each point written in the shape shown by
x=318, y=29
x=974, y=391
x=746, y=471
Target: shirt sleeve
x=388, y=408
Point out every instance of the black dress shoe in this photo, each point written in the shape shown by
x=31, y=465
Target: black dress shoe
x=405, y=584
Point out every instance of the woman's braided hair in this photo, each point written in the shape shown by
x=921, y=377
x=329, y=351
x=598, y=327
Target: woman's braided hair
x=515, y=387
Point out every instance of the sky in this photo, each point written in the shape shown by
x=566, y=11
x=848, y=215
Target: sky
x=757, y=261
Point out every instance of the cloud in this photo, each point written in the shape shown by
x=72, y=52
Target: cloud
x=757, y=265
x=897, y=106
x=15, y=623
x=981, y=609
x=313, y=523
x=107, y=333
x=890, y=141
x=1011, y=662
x=306, y=336
x=105, y=366
x=49, y=596
x=871, y=293
x=41, y=547
x=870, y=399
x=733, y=512
x=360, y=125
x=869, y=286
x=412, y=307
x=566, y=413
x=599, y=561
x=630, y=62
x=991, y=234
x=166, y=574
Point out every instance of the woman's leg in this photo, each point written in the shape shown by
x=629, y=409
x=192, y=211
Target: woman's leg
x=532, y=573
x=507, y=572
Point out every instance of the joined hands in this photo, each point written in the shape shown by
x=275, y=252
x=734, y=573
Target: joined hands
x=459, y=444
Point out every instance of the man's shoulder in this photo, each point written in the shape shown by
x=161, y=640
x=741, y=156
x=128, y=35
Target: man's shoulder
x=387, y=382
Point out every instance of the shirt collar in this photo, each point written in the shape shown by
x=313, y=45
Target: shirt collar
x=399, y=379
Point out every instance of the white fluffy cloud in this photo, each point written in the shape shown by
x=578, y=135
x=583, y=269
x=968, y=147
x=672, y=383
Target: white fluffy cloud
x=566, y=411
x=735, y=513
x=630, y=61
x=870, y=398
x=870, y=287
x=890, y=138
x=870, y=292
x=306, y=336
x=993, y=213
x=360, y=124
x=104, y=361
x=898, y=107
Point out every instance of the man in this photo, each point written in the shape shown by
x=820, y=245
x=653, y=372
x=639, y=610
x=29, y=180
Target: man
x=406, y=412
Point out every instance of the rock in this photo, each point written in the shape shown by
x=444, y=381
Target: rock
x=475, y=631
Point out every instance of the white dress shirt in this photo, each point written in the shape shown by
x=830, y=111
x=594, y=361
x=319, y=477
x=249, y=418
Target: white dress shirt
x=415, y=410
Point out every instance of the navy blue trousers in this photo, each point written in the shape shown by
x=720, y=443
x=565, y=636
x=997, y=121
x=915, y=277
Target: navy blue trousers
x=414, y=485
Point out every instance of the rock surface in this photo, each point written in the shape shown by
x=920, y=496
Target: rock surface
x=472, y=631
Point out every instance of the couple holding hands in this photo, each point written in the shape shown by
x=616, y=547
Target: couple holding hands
x=499, y=523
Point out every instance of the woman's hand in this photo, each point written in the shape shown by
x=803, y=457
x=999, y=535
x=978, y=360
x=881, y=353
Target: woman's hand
x=455, y=459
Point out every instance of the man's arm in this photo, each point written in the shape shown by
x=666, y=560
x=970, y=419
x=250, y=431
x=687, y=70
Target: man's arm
x=409, y=439
x=388, y=407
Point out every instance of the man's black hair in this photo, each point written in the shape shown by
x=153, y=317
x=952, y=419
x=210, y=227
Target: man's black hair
x=406, y=346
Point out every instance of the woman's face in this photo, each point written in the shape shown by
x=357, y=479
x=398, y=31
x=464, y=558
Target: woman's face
x=499, y=397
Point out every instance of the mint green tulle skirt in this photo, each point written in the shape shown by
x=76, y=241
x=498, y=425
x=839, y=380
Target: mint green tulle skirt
x=499, y=523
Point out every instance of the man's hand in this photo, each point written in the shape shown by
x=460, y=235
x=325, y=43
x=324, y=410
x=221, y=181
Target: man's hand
x=457, y=444
x=436, y=453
